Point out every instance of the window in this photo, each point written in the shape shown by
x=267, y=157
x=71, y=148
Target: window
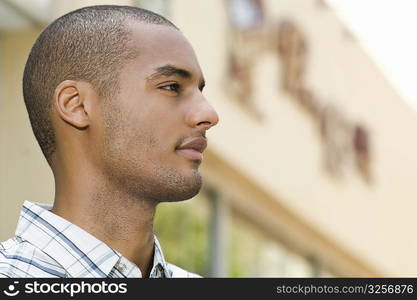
x=246, y=14
x=182, y=229
x=161, y=7
x=206, y=236
x=252, y=253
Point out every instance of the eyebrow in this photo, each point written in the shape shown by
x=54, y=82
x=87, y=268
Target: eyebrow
x=170, y=70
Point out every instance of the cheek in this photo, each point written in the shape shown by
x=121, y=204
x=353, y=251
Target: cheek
x=148, y=135
x=145, y=141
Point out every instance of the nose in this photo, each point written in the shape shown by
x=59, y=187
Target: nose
x=202, y=115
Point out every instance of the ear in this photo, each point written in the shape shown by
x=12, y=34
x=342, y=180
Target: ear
x=70, y=99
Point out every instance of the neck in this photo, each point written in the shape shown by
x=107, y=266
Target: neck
x=122, y=221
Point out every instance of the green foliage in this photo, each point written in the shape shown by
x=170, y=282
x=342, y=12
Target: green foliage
x=183, y=231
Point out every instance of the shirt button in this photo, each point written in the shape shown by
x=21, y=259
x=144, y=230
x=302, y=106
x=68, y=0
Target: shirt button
x=122, y=267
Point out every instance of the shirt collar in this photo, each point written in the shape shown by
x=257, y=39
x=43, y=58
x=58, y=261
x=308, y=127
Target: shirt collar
x=159, y=263
x=78, y=252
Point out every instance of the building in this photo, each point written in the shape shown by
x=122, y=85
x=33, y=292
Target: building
x=311, y=169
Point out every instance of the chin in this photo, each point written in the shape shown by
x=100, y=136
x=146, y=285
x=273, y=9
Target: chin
x=182, y=188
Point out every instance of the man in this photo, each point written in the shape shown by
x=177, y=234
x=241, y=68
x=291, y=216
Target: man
x=114, y=96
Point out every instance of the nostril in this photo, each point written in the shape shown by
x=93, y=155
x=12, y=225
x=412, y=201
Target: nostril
x=204, y=123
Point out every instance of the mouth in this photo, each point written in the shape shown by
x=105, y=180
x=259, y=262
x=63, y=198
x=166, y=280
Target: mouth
x=193, y=149
x=191, y=154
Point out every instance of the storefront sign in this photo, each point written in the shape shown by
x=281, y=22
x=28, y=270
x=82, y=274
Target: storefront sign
x=346, y=143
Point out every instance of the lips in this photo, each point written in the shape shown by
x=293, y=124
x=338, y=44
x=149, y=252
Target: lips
x=193, y=148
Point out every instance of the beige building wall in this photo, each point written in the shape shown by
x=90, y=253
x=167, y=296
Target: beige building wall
x=272, y=169
x=24, y=173
x=283, y=153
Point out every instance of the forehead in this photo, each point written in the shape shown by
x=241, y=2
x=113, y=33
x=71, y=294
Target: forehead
x=160, y=45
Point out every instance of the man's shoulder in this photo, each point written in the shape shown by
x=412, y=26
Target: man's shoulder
x=178, y=272
x=20, y=259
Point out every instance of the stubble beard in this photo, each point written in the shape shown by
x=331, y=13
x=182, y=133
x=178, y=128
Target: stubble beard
x=140, y=176
x=170, y=186
x=156, y=184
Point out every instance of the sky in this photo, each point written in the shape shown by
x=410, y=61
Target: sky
x=387, y=30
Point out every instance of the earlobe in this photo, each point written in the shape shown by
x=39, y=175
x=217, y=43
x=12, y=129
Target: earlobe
x=69, y=103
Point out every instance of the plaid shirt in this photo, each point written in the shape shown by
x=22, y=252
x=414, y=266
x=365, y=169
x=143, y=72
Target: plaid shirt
x=47, y=245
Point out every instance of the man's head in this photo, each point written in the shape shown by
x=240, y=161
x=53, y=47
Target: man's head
x=120, y=88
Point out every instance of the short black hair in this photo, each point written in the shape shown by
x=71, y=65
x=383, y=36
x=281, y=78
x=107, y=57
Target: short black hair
x=89, y=44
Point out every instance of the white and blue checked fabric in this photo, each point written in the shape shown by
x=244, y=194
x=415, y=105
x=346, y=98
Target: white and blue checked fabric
x=47, y=245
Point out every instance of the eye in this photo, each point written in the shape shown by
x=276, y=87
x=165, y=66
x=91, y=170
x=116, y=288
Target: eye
x=201, y=86
x=172, y=87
